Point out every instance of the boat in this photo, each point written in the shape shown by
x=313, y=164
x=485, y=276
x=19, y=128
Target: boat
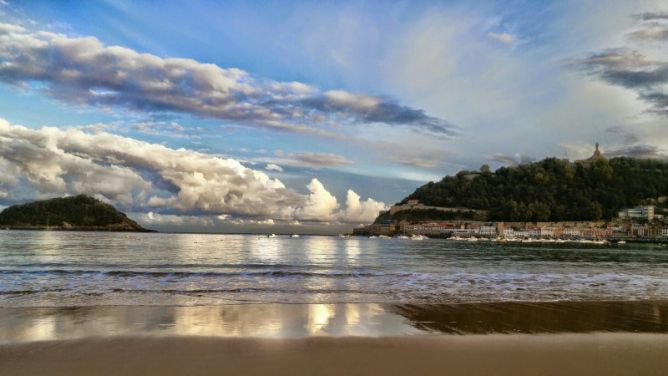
x=418, y=237
x=271, y=235
x=372, y=237
x=621, y=242
x=383, y=237
x=294, y=235
x=402, y=237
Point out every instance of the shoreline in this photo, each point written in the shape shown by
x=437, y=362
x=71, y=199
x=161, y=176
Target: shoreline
x=553, y=354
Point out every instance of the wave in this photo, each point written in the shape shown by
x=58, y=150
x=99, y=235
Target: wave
x=251, y=290
x=168, y=266
x=186, y=274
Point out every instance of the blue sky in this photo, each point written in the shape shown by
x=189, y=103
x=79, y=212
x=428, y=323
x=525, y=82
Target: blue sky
x=376, y=97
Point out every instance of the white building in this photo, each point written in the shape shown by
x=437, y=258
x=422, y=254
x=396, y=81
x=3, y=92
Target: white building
x=569, y=231
x=645, y=212
x=488, y=230
x=546, y=232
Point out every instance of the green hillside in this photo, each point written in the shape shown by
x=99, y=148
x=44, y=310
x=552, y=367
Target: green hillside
x=552, y=189
x=79, y=212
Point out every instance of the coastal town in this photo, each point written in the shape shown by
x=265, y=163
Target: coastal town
x=642, y=223
x=637, y=223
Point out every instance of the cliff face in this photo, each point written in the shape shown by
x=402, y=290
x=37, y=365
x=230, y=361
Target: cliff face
x=78, y=213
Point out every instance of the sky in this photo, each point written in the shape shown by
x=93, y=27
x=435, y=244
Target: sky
x=310, y=117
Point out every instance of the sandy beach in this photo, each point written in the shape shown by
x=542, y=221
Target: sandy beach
x=555, y=354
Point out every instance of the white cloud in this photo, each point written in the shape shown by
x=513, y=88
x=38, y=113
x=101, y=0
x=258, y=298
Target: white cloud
x=363, y=211
x=155, y=219
x=320, y=204
x=149, y=177
x=273, y=167
x=84, y=71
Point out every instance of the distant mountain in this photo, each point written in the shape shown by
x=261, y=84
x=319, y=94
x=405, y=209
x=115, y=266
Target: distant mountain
x=83, y=213
x=551, y=189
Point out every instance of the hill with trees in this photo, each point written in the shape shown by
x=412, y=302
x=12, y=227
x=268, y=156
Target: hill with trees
x=68, y=213
x=552, y=189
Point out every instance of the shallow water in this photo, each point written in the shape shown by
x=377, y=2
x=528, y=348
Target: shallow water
x=58, y=269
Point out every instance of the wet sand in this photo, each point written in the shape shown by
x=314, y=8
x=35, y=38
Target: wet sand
x=549, y=338
x=553, y=354
x=331, y=320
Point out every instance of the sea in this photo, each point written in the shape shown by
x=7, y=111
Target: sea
x=64, y=269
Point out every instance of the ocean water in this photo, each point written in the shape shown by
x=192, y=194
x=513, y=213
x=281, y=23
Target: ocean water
x=62, y=269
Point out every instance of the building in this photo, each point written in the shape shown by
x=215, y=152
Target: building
x=594, y=157
x=487, y=230
x=571, y=232
x=645, y=212
x=639, y=230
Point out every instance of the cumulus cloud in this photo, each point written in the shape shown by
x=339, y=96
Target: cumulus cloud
x=320, y=204
x=84, y=71
x=141, y=176
x=363, y=211
x=503, y=37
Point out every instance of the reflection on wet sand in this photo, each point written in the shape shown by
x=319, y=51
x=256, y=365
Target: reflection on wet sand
x=254, y=320
x=542, y=317
x=334, y=320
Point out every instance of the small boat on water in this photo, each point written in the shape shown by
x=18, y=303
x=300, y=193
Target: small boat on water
x=294, y=235
x=271, y=235
x=372, y=237
x=383, y=237
x=621, y=242
x=402, y=237
x=418, y=237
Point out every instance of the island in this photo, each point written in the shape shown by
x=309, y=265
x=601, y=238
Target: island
x=75, y=213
